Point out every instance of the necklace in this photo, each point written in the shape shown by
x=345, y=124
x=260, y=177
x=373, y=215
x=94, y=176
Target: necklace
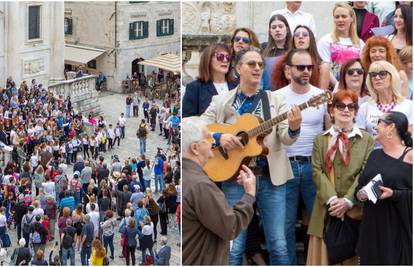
x=384, y=108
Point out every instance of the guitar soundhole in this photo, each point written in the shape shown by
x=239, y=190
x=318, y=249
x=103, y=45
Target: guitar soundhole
x=244, y=138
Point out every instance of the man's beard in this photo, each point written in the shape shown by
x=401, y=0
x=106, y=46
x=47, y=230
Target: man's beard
x=298, y=80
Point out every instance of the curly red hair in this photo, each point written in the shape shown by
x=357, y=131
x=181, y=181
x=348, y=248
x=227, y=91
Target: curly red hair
x=392, y=56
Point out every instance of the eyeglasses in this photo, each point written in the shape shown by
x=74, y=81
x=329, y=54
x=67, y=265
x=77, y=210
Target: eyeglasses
x=221, y=57
x=303, y=67
x=245, y=40
x=252, y=64
x=351, y=71
x=341, y=106
x=298, y=34
x=382, y=74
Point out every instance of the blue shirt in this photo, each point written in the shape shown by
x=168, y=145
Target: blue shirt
x=139, y=215
x=132, y=233
x=158, y=166
x=68, y=202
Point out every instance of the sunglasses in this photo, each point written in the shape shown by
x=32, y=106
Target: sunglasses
x=351, y=71
x=341, y=106
x=221, y=57
x=303, y=67
x=298, y=34
x=382, y=74
x=252, y=64
x=245, y=40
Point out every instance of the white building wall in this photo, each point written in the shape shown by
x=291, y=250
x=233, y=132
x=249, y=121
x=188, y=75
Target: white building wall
x=25, y=59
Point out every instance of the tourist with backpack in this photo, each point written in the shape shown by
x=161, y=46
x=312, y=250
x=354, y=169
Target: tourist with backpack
x=27, y=221
x=76, y=187
x=51, y=211
x=20, y=209
x=38, y=236
x=142, y=133
x=67, y=241
x=61, y=181
x=20, y=255
x=86, y=238
x=108, y=232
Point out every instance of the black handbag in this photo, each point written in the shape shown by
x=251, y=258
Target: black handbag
x=340, y=237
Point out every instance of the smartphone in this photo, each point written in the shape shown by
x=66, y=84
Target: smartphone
x=375, y=189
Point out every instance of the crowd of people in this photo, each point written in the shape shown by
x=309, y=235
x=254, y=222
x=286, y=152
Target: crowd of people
x=64, y=183
x=318, y=163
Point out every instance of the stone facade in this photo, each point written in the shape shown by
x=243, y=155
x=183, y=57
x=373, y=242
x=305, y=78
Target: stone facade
x=23, y=59
x=105, y=25
x=208, y=22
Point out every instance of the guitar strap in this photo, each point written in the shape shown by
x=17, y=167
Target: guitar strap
x=262, y=95
x=265, y=104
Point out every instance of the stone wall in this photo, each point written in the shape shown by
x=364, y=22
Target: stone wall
x=82, y=93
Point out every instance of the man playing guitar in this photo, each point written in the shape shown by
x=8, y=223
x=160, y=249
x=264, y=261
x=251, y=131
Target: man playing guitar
x=272, y=171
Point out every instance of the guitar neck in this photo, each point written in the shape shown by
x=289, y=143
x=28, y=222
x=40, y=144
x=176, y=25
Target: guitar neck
x=267, y=125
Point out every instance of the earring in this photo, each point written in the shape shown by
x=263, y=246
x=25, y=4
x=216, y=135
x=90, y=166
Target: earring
x=389, y=135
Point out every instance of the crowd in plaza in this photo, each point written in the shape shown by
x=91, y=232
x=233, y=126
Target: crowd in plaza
x=320, y=162
x=61, y=187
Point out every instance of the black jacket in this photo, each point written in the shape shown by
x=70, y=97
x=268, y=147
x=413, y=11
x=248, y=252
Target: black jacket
x=198, y=96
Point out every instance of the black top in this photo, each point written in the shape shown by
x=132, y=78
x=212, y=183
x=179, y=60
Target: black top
x=360, y=14
x=23, y=254
x=386, y=227
x=198, y=96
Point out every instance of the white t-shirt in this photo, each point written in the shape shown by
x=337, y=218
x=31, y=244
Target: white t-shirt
x=148, y=229
x=49, y=188
x=3, y=220
x=147, y=173
x=325, y=50
x=298, y=18
x=369, y=114
x=221, y=87
x=122, y=121
x=95, y=220
x=312, y=121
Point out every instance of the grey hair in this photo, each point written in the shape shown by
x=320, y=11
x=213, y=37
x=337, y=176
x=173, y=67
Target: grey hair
x=22, y=242
x=164, y=240
x=242, y=52
x=87, y=218
x=192, y=131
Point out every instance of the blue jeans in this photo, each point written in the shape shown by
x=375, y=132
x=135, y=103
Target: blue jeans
x=147, y=184
x=65, y=253
x=109, y=240
x=85, y=255
x=303, y=184
x=271, y=205
x=159, y=180
x=127, y=111
x=142, y=146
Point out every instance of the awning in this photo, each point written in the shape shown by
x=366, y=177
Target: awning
x=168, y=62
x=76, y=54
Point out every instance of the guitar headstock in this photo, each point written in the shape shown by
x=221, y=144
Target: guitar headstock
x=318, y=100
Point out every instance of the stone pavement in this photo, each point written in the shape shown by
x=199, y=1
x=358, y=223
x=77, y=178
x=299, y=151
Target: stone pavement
x=111, y=107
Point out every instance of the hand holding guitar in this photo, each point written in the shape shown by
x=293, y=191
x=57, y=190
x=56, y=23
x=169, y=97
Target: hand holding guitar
x=229, y=141
x=247, y=179
x=294, y=118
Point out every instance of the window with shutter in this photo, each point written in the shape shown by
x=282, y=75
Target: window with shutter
x=34, y=22
x=171, y=27
x=145, y=29
x=68, y=25
x=131, y=31
x=159, y=28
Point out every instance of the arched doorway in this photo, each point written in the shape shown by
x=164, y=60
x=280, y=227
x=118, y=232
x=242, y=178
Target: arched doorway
x=135, y=67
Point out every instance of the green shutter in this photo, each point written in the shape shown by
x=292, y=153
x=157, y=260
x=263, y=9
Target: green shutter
x=159, y=28
x=131, y=31
x=145, y=29
x=69, y=22
x=171, y=26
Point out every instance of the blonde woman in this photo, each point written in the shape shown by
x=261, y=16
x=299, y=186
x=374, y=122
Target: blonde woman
x=98, y=253
x=343, y=43
x=384, y=86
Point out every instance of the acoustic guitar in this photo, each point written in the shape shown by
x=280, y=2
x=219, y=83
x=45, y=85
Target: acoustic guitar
x=250, y=130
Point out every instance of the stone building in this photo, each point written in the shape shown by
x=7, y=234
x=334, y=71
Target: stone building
x=208, y=22
x=31, y=41
x=113, y=37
